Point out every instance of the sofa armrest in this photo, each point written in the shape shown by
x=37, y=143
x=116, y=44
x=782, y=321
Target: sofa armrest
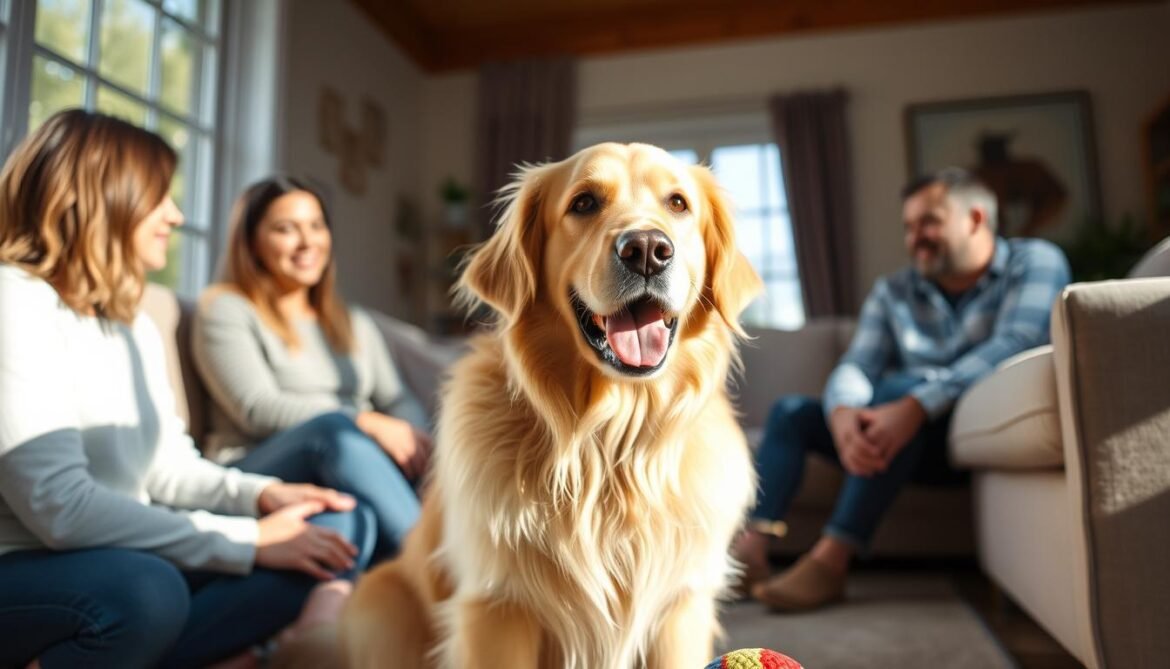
x=1009, y=419
x=1112, y=364
x=420, y=359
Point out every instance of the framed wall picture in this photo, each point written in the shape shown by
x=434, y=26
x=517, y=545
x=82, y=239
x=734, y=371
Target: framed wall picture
x=1157, y=150
x=1037, y=152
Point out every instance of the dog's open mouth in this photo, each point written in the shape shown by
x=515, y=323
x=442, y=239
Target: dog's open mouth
x=633, y=340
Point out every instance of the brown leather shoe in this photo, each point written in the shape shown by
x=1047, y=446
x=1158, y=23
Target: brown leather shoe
x=751, y=550
x=753, y=574
x=806, y=585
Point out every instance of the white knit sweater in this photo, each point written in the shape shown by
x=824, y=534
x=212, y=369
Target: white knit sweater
x=92, y=452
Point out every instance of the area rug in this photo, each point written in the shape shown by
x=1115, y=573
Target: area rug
x=895, y=619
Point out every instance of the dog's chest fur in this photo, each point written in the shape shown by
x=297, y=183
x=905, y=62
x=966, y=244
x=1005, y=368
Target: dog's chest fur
x=597, y=530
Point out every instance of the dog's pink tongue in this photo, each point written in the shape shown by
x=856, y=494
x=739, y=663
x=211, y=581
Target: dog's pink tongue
x=638, y=337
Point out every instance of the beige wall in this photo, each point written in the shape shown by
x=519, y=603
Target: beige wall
x=333, y=43
x=1121, y=56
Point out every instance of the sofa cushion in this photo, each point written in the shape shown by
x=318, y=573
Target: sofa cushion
x=421, y=360
x=1009, y=420
x=783, y=362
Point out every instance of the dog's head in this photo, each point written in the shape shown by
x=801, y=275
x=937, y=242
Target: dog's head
x=627, y=244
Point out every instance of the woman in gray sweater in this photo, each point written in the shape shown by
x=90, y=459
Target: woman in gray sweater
x=119, y=545
x=277, y=346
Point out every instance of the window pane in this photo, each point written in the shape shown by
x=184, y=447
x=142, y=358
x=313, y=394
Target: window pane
x=114, y=103
x=738, y=169
x=54, y=87
x=751, y=174
x=63, y=26
x=169, y=275
x=749, y=233
x=688, y=156
x=774, y=178
x=785, y=308
x=184, y=9
x=779, y=230
x=127, y=29
x=178, y=67
x=179, y=137
x=753, y=313
x=204, y=97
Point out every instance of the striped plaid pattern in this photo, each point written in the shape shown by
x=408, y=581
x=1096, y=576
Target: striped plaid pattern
x=907, y=325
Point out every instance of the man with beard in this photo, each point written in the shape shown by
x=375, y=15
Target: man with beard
x=968, y=301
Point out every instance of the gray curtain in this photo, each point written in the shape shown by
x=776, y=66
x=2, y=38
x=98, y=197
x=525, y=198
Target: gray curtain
x=809, y=128
x=527, y=111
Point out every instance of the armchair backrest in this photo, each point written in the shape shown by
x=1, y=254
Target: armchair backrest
x=172, y=316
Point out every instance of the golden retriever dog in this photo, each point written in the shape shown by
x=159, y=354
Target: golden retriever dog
x=589, y=472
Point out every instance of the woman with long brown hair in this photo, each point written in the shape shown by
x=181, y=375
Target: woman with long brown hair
x=119, y=545
x=276, y=346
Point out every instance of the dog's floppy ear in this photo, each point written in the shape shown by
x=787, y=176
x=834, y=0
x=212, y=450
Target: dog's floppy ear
x=731, y=282
x=502, y=272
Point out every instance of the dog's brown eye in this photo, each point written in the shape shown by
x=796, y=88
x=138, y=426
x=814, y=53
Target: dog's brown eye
x=678, y=203
x=583, y=204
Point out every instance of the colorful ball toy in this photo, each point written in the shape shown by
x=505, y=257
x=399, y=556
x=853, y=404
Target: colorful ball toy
x=753, y=658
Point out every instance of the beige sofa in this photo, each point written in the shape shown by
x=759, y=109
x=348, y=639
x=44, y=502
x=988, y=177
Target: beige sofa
x=924, y=521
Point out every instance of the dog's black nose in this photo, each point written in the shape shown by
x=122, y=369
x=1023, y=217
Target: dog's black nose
x=646, y=252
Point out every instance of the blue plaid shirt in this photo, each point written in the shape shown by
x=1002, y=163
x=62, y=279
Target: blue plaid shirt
x=908, y=326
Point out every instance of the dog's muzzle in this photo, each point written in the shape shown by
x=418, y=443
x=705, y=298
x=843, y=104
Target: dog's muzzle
x=635, y=339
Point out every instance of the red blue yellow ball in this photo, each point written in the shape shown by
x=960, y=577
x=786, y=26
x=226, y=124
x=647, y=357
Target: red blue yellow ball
x=753, y=658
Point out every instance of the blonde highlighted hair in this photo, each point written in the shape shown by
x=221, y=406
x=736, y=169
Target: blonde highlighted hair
x=71, y=195
x=246, y=274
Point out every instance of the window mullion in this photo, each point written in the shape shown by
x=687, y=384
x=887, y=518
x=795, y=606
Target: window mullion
x=93, y=57
x=769, y=250
x=18, y=73
x=198, y=89
x=154, y=76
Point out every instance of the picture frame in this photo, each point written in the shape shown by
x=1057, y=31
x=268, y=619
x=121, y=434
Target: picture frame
x=1037, y=152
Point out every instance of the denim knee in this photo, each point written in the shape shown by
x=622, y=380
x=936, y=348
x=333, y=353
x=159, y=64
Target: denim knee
x=144, y=602
x=791, y=414
x=338, y=438
x=328, y=425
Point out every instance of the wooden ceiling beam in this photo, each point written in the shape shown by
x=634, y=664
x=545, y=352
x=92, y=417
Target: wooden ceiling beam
x=439, y=49
x=398, y=21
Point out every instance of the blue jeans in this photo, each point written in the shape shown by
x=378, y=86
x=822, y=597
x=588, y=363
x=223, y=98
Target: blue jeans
x=115, y=607
x=331, y=451
x=797, y=426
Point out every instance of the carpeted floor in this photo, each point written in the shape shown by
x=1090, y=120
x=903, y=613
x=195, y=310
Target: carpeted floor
x=904, y=620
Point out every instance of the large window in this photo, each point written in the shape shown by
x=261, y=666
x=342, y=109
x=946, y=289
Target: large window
x=748, y=166
x=150, y=62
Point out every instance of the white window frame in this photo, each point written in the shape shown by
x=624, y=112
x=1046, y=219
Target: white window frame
x=698, y=128
x=18, y=47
